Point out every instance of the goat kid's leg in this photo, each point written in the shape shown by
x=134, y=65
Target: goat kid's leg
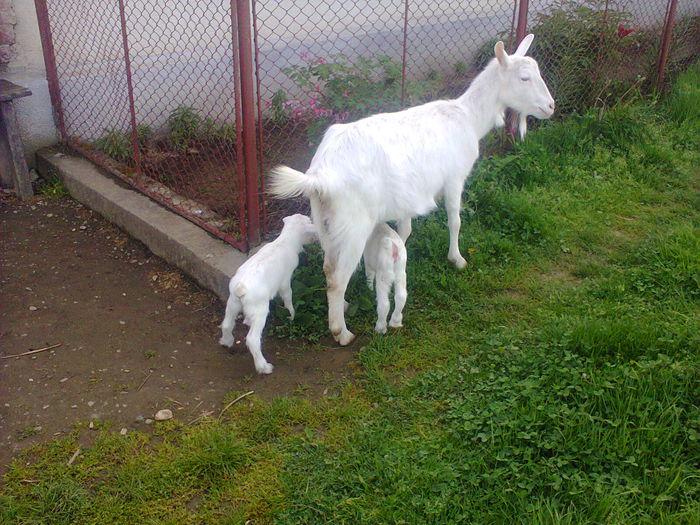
x=285, y=293
x=400, y=296
x=257, y=316
x=453, y=204
x=404, y=228
x=383, y=288
x=233, y=308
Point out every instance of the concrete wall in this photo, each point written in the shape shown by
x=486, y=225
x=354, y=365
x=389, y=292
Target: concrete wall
x=22, y=62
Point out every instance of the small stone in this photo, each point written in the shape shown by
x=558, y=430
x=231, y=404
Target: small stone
x=83, y=227
x=90, y=403
x=139, y=419
x=123, y=431
x=91, y=425
x=63, y=380
x=148, y=421
x=164, y=414
x=33, y=308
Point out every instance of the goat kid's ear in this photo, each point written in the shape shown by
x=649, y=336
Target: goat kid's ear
x=524, y=45
x=501, y=54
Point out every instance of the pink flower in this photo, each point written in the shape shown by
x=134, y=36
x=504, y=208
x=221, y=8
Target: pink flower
x=320, y=60
x=304, y=55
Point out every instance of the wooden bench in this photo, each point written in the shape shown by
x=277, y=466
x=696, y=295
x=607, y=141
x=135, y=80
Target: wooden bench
x=13, y=166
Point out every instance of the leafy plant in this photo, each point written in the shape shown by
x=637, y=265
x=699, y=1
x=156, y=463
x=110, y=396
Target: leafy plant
x=341, y=89
x=184, y=124
x=116, y=144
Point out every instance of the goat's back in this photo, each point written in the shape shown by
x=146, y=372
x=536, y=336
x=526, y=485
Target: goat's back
x=396, y=165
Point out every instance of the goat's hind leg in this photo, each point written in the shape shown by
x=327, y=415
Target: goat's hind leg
x=233, y=308
x=400, y=296
x=257, y=316
x=404, y=228
x=339, y=267
x=383, y=305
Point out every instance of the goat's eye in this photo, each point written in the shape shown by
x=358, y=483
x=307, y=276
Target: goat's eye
x=525, y=79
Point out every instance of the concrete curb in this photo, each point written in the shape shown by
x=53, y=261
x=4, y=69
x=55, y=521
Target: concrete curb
x=209, y=261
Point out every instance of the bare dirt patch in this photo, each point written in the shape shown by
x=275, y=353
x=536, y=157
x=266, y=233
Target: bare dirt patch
x=135, y=335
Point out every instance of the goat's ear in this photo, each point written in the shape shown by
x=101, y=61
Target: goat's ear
x=501, y=54
x=524, y=45
x=286, y=219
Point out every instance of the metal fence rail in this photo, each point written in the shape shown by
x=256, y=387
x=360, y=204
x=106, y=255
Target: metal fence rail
x=191, y=101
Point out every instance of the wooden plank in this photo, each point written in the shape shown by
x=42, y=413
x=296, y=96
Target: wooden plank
x=15, y=164
x=10, y=91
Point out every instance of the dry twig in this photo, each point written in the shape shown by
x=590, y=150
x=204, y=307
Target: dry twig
x=144, y=381
x=72, y=458
x=235, y=401
x=32, y=351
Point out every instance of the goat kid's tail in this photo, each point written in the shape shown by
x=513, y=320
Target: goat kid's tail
x=286, y=182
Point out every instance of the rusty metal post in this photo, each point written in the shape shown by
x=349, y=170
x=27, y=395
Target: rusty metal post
x=240, y=162
x=403, y=54
x=258, y=101
x=248, y=107
x=666, y=42
x=130, y=88
x=520, y=32
x=42, y=14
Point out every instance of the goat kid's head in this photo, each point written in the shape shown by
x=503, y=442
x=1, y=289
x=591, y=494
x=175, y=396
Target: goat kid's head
x=523, y=88
x=301, y=224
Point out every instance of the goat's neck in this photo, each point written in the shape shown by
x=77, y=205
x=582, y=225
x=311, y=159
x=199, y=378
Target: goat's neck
x=482, y=101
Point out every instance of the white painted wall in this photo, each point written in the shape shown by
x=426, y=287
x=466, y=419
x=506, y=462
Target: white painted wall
x=27, y=69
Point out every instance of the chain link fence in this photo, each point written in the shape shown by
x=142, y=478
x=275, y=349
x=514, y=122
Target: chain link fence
x=160, y=93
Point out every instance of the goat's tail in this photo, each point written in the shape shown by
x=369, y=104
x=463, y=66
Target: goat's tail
x=286, y=182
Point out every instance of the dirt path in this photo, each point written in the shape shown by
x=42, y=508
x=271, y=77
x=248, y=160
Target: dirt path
x=135, y=335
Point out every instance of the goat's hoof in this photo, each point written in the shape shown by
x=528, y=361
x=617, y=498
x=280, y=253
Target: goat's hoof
x=345, y=338
x=267, y=368
x=380, y=329
x=459, y=262
x=395, y=324
x=226, y=341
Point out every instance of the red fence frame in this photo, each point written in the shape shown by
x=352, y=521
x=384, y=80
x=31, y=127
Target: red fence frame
x=249, y=139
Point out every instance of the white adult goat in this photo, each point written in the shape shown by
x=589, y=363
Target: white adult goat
x=262, y=277
x=385, y=266
x=394, y=166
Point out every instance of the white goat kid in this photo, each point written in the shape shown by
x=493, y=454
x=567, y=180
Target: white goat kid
x=260, y=279
x=394, y=166
x=385, y=264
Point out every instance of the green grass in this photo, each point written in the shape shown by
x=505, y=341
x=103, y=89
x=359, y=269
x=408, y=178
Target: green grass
x=555, y=380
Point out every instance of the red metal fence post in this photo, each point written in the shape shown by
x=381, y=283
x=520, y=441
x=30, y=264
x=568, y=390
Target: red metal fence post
x=130, y=88
x=248, y=110
x=240, y=162
x=42, y=14
x=666, y=42
x=520, y=32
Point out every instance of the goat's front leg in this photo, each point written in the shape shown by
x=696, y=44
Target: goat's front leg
x=285, y=293
x=452, y=205
x=403, y=228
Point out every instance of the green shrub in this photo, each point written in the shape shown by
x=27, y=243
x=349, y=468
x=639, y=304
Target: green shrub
x=184, y=125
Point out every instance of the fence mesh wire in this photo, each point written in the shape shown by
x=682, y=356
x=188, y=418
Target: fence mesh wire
x=315, y=62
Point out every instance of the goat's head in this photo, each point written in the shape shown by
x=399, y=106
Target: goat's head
x=302, y=225
x=522, y=86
